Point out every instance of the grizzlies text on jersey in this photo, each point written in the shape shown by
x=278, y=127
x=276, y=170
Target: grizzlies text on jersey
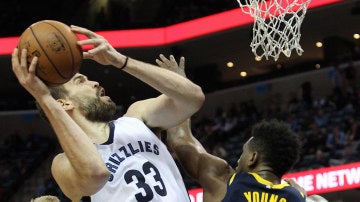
x=141, y=167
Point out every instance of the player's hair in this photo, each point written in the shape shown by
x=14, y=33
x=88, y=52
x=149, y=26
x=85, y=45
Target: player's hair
x=57, y=92
x=278, y=145
x=46, y=198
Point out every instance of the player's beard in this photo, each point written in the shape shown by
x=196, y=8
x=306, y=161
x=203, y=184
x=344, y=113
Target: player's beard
x=97, y=110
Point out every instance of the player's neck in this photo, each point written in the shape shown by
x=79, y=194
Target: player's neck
x=98, y=132
x=268, y=174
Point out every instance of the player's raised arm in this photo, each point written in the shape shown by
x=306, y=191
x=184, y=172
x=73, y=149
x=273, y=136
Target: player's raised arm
x=179, y=96
x=80, y=170
x=211, y=172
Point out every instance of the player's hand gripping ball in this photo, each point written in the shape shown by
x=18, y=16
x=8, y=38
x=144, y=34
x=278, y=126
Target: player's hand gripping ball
x=53, y=42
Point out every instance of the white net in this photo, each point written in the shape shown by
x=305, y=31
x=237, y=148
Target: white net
x=276, y=26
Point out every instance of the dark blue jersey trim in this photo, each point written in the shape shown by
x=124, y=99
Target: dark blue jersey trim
x=111, y=135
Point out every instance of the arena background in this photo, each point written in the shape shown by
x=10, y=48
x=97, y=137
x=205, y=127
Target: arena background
x=332, y=22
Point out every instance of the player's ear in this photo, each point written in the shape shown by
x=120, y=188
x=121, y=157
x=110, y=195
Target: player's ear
x=253, y=158
x=66, y=104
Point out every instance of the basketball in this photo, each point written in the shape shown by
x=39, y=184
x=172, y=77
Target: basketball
x=59, y=57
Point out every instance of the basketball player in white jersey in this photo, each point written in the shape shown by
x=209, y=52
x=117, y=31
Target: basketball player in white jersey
x=120, y=160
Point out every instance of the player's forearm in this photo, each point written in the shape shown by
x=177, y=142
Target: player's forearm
x=186, y=147
x=77, y=146
x=188, y=156
x=178, y=88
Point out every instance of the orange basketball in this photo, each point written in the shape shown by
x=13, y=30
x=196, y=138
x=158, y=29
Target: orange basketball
x=55, y=45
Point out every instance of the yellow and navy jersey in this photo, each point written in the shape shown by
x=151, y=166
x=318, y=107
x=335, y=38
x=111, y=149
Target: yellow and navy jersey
x=250, y=187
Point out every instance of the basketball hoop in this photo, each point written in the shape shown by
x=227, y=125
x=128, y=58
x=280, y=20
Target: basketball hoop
x=276, y=26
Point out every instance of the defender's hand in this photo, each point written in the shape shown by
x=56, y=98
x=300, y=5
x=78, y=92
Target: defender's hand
x=172, y=65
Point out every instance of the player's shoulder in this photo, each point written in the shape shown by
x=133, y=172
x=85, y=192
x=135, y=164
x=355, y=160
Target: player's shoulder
x=138, y=109
x=294, y=194
x=134, y=110
x=216, y=167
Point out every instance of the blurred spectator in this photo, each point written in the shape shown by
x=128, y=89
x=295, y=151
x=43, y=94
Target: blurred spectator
x=352, y=129
x=230, y=124
x=335, y=140
x=293, y=123
x=219, y=150
x=316, y=138
x=350, y=154
x=338, y=98
x=337, y=77
x=303, y=141
x=320, y=160
x=273, y=109
x=306, y=118
x=347, y=155
x=350, y=77
x=321, y=118
x=293, y=103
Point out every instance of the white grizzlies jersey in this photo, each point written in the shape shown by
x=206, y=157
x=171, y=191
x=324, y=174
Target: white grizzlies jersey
x=141, y=167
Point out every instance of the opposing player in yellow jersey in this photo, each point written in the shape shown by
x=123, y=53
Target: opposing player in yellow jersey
x=269, y=153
